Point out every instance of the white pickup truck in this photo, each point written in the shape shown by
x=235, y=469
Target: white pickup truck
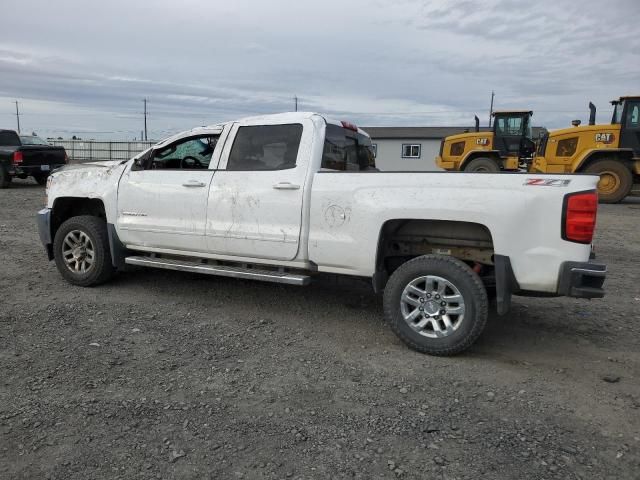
x=283, y=197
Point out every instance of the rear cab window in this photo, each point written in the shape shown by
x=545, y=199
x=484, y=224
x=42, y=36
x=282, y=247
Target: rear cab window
x=347, y=150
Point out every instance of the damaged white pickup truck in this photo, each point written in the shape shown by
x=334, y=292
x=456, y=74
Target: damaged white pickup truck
x=283, y=197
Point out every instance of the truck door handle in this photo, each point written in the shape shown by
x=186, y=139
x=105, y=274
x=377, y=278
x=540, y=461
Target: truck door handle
x=193, y=183
x=286, y=186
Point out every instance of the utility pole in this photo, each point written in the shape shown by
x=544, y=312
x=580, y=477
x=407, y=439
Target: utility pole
x=145, y=119
x=18, y=116
x=295, y=98
x=493, y=94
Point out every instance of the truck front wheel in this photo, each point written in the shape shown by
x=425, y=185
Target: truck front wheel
x=41, y=179
x=5, y=178
x=616, y=180
x=436, y=304
x=81, y=251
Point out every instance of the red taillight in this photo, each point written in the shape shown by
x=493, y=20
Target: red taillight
x=580, y=217
x=17, y=158
x=66, y=157
x=349, y=126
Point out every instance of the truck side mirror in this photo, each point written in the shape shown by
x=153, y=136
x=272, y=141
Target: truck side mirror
x=141, y=162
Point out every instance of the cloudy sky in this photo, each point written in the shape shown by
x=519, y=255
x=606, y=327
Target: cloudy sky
x=83, y=66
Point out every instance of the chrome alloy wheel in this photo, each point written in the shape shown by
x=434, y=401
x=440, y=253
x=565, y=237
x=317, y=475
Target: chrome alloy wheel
x=432, y=306
x=78, y=251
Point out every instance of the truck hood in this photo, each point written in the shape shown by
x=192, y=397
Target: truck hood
x=88, y=180
x=93, y=165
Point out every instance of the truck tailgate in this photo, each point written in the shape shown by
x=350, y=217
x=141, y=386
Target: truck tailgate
x=36, y=155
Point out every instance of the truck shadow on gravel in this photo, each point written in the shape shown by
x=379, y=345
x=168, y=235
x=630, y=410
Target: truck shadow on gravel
x=349, y=306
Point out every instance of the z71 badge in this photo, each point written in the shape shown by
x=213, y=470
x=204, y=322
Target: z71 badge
x=605, y=137
x=547, y=182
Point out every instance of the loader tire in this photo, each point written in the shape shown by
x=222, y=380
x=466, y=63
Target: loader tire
x=616, y=179
x=482, y=165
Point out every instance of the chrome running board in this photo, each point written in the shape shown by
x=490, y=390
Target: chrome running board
x=264, y=275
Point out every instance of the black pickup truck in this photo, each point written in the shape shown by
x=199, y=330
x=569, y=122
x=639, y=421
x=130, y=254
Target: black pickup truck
x=27, y=155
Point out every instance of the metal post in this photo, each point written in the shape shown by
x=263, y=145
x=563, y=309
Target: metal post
x=18, y=116
x=91, y=150
x=493, y=94
x=145, y=119
x=295, y=97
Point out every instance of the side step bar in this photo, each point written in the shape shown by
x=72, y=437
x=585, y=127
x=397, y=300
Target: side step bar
x=220, y=270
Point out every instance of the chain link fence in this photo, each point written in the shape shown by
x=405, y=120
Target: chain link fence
x=80, y=151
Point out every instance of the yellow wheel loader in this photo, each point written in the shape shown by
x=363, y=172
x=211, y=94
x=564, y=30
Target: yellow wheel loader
x=507, y=147
x=611, y=151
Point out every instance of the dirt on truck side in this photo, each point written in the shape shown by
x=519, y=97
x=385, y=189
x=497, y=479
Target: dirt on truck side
x=164, y=374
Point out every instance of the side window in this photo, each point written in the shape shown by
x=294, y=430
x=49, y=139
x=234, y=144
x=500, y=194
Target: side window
x=411, y=151
x=186, y=154
x=634, y=116
x=265, y=147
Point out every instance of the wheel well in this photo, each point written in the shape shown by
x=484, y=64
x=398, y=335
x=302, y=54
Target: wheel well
x=403, y=239
x=481, y=154
x=67, y=207
x=625, y=157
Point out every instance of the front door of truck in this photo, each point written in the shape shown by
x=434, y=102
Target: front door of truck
x=630, y=131
x=256, y=197
x=162, y=199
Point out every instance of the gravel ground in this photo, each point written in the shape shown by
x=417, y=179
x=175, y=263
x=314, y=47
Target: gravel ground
x=172, y=375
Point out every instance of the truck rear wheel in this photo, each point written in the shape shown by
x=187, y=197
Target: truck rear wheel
x=41, y=179
x=482, y=165
x=436, y=304
x=616, y=180
x=5, y=178
x=81, y=251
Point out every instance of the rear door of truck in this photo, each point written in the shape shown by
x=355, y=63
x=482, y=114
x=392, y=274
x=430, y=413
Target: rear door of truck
x=256, y=197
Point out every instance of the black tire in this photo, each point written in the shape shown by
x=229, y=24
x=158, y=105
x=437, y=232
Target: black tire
x=469, y=286
x=616, y=179
x=5, y=178
x=101, y=268
x=41, y=179
x=482, y=165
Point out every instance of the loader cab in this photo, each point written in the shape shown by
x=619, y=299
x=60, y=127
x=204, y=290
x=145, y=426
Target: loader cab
x=512, y=134
x=626, y=113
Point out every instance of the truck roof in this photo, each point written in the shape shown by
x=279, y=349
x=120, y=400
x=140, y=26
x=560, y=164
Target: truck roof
x=285, y=117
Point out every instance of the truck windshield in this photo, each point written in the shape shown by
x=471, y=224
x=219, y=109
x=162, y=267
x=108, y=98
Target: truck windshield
x=32, y=140
x=345, y=149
